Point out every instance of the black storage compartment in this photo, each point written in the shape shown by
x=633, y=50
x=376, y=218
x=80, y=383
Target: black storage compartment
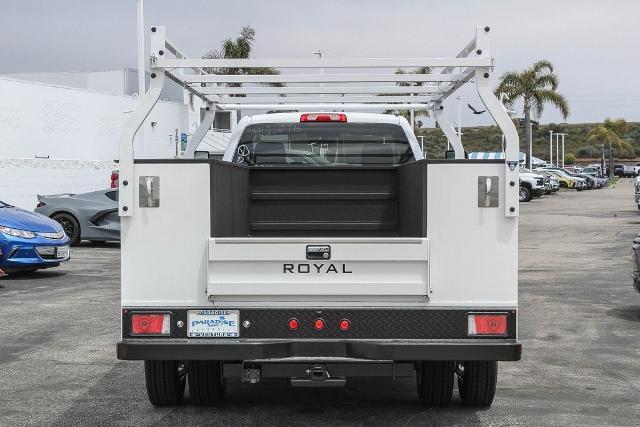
x=338, y=201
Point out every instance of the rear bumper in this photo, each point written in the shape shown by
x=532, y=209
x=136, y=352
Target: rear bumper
x=252, y=349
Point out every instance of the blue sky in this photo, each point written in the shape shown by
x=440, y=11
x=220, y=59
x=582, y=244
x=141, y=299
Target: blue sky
x=594, y=45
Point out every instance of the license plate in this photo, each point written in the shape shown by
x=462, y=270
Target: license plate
x=213, y=323
x=62, y=251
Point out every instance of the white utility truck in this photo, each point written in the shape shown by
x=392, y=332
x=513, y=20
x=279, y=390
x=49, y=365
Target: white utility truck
x=324, y=245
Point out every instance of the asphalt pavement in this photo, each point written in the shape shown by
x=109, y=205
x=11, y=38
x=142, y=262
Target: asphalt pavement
x=579, y=325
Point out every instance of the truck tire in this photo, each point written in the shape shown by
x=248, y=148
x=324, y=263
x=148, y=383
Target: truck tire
x=165, y=381
x=477, y=382
x=207, y=386
x=525, y=194
x=435, y=382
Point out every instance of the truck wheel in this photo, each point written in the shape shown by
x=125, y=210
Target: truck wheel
x=165, y=381
x=207, y=386
x=435, y=382
x=525, y=194
x=477, y=382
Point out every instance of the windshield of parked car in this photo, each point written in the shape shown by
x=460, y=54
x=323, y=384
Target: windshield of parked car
x=323, y=144
x=561, y=173
x=556, y=173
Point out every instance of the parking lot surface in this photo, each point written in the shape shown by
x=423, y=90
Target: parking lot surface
x=579, y=325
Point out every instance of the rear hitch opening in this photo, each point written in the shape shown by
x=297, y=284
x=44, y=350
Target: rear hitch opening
x=251, y=375
x=318, y=376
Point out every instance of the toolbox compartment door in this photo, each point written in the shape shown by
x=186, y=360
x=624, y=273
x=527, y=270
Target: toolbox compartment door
x=256, y=266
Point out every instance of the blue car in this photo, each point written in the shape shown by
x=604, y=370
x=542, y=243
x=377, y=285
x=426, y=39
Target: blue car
x=30, y=241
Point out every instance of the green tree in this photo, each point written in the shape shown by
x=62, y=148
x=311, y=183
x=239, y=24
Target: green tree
x=535, y=86
x=569, y=159
x=240, y=48
x=407, y=113
x=611, y=133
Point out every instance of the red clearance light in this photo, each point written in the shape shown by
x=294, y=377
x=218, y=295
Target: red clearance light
x=487, y=324
x=293, y=324
x=345, y=325
x=151, y=324
x=323, y=117
x=318, y=324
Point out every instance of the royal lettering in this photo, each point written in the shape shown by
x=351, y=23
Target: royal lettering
x=305, y=268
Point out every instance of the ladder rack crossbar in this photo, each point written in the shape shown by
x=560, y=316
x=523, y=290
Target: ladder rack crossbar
x=319, y=78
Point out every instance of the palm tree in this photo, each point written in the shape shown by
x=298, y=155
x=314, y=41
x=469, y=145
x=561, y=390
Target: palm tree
x=240, y=48
x=407, y=113
x=611, y=132
x=536, y=86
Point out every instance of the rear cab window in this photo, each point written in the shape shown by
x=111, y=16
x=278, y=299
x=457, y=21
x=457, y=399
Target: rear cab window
x=323, y=144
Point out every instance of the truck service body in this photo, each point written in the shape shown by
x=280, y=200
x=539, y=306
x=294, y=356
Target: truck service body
x=323, y=245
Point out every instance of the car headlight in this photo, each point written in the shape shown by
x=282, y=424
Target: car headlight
x=17, y=233
x=54, y=235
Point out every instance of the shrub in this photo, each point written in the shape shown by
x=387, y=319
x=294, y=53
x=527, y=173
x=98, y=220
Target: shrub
x=569, y=159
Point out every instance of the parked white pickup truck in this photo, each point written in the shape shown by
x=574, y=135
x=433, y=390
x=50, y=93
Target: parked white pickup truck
x=631, y=170
x=323, y=246
x=531, y=185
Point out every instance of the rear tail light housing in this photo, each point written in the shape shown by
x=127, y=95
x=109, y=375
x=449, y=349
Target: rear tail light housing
x=323, y=117
x=492, y=324
x=151, y=324
x=40, y=204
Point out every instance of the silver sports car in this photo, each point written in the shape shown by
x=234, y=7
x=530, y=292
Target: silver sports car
x=89, y=216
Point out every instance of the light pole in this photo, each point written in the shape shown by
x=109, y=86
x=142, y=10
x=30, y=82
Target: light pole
x=530, y=145
x=557, y=149
x=551, y=148
x=563, y=134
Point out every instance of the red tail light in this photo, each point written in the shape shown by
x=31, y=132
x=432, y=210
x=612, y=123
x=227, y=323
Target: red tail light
x=293, y=324
x=487, y=324
x=150, y=324
x=318, y=324
x=323, y=117
x=345, y=325
x=114, y=179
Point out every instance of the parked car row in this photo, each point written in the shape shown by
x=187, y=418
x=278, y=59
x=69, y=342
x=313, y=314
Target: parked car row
x=547, y=180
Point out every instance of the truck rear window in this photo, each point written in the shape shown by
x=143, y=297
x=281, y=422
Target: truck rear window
x=323, y=144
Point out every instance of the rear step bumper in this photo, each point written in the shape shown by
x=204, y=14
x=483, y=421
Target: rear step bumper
x=250, y=349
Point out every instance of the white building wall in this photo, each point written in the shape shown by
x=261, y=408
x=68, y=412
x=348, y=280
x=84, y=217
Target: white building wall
x=78, y=132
